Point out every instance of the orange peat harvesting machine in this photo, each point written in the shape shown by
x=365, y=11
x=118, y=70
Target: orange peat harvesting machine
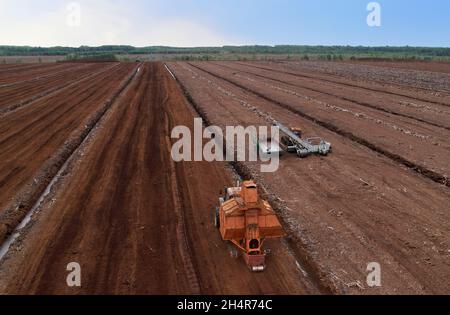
x=246, y=220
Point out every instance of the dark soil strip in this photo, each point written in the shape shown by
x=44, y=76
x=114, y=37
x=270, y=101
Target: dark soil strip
x=438, y=178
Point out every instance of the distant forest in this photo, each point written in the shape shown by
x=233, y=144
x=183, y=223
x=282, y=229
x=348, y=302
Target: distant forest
x=321, y=52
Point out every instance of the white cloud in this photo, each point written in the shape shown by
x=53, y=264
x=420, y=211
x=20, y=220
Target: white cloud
x=182, y=33
x=102, y=23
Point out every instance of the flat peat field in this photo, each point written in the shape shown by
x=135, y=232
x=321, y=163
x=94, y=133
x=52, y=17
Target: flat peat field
x=86, y=149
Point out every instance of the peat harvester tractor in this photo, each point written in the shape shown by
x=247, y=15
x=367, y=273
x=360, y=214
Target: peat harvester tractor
x=247, y=221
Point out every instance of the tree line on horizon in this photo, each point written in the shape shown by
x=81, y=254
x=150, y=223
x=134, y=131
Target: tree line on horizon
x=336, y=52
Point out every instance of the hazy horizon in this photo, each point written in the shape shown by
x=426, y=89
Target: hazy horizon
x=201, y=23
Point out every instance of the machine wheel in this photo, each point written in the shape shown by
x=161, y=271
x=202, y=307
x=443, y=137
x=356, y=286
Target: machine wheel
x=217, y=218
x=302, y=155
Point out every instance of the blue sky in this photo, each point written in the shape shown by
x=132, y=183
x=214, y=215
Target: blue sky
x=224, y=22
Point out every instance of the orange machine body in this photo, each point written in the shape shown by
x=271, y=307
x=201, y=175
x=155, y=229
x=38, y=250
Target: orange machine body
x=247, y=221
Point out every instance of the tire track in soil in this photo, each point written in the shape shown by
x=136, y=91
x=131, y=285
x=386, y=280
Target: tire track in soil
x=364, y=104
x=434, y=176
x=183, y=239
x=347, y=84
